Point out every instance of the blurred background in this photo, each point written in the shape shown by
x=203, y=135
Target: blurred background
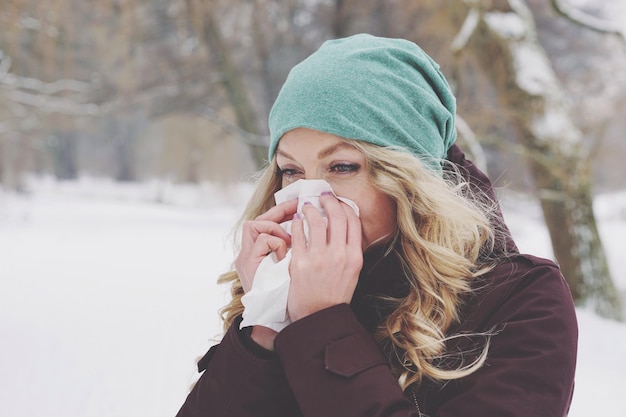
x=181, y=89
x=130, y=129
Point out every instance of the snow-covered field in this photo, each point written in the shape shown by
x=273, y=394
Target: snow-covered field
x=108, y=295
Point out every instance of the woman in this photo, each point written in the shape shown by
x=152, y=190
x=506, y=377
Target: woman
x=420, y=305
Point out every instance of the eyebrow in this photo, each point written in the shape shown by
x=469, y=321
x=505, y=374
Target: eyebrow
x=331, y=149
x=321, y=154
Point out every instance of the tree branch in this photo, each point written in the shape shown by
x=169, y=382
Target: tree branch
x=51, y=104
x=244, y=136
x=42, y=95
x=33, y=84
x=586, y=20
x=474, y=145
x=467, y=29
x=55, y=87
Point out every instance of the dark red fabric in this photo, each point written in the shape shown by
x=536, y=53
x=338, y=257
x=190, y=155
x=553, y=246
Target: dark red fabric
x=530, y=366
x=328, y=364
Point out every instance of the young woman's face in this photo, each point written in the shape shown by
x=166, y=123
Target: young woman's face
x=309, y=154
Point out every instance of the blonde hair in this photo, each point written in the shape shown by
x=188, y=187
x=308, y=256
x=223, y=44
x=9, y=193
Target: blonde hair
x=444, y=236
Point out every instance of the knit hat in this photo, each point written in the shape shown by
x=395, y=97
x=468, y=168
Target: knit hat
x=379, y=90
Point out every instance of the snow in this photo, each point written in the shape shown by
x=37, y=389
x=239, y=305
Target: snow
x=108, y=296
x=533, y=72
x=509, y=25
x=467, y=30
x=553, y=126
x=535, y=76
x=606, y=23
x=616, y=9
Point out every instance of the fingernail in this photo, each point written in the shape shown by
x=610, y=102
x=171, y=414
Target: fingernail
x=296, y=216
x=327, y=193
x=307, y=203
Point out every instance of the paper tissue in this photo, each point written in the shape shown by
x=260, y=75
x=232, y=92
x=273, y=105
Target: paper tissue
x=266, y=302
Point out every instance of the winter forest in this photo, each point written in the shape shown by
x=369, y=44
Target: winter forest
x=130, y=131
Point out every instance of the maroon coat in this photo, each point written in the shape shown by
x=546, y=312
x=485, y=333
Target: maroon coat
x=328, y=364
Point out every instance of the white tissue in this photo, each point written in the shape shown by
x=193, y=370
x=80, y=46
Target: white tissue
x=266, y=302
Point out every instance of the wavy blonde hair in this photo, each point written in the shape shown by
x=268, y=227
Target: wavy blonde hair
x=444, y=236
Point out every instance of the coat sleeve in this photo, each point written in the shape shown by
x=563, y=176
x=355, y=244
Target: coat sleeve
x=531, y=362
x=335, y=368
x=239, y=382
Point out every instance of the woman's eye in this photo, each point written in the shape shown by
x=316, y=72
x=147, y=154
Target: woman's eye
x=344, y=168
x=287, y=172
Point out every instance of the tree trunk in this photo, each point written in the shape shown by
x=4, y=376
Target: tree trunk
x=2, y=161
x=507, y=44
x=262, y=53
x=231, y=79
x=65, y=153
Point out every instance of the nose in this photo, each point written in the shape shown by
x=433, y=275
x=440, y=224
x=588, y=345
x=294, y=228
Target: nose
x=313, y=172
x=313, y=177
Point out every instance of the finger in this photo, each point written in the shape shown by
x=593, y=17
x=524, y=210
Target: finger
x=298, y=239
x=253, y=228
x=355, y=233
x=337, y=220
x=316, y=224
x=280, y=212
x=267, y=244
x=247, y=263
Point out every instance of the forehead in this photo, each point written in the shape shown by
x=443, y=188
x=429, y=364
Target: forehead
x=307, y=142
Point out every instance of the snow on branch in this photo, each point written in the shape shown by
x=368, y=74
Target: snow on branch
x=533, y=72
x=51, y=104
x=508, y=25
x=43, y=87
x=28, y=22
x=36, y=85
x=535, y=78
x=587, y=20
x=467, y=29
x=44, y=95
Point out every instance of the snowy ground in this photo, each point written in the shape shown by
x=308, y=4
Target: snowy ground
x=108, y=295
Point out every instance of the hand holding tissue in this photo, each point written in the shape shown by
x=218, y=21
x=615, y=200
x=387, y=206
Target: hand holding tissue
x=266, y=302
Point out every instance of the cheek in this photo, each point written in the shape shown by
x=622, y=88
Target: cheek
x=377, y=210
x=378, y=217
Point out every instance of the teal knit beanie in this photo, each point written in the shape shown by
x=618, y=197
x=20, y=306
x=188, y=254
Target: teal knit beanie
x=384, y=91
